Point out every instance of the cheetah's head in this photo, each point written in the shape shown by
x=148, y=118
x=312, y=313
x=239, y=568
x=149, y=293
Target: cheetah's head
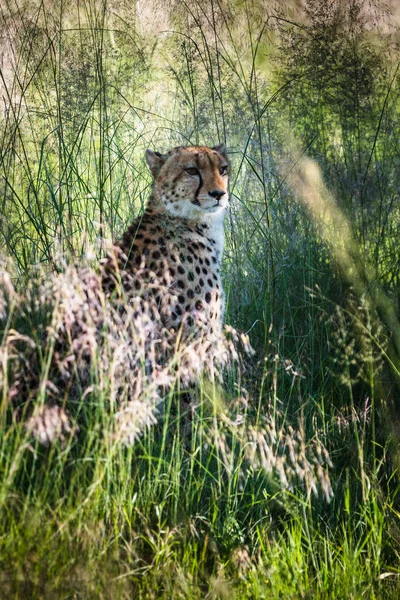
x=190, y=181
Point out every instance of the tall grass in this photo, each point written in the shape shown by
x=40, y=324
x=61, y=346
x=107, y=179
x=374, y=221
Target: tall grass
x=279, y=480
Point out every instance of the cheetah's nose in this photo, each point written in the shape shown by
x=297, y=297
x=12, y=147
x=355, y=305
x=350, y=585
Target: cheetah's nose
x=216, y=194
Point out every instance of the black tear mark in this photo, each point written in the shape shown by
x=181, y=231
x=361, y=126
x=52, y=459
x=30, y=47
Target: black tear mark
x=196, y=200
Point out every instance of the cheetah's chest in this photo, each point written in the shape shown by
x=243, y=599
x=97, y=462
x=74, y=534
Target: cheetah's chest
x=178, y=266
x=195, y=283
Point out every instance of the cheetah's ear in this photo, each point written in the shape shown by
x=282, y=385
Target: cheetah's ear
x=155, y=160
x=221, y=148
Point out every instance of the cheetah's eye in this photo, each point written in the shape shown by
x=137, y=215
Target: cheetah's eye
x=223, y=171
x=192, y=171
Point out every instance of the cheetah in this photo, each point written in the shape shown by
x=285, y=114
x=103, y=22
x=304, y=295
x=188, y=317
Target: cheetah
x=173, y=252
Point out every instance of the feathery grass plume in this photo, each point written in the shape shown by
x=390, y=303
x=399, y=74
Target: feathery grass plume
x=270, y=445
x=359, y=341
x=48, y=424
x=8, y=294
x=92, y=343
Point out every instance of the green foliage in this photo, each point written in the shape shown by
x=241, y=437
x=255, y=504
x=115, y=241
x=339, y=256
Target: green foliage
x=283, y=483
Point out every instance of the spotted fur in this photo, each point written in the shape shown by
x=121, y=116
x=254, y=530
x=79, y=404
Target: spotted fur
x=173, y=252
